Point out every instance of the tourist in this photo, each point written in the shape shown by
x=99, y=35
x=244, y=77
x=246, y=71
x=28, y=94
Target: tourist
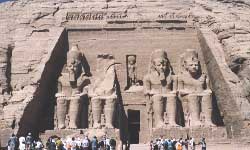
x=68, y=143
x=102, y=145
x=94, y=143
x=12, y=143
x=112, y=144
x=22, y=143
x=64, y=143
x=78, y=143
x=178, y=145
x=185, y=144
x=192, y=144
x=59, y=144
x=170, y=145
x=73, y=144
x=203, y=144
x=151, y=144
x=107, y=144
x=48, y=143
x=29, y=141
x=174, y=144
x=52, y=144
x=85, y=143
x=165, y=144
x=39, y=145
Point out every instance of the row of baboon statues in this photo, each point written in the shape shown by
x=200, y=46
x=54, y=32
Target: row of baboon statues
x=161, y=88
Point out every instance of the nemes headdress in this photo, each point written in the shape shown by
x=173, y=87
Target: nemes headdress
x=190, y=54
x=74, y=53
x=159, y=54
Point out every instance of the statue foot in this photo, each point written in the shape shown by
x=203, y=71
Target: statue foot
x=209, y=124
x=196, y=124
x=97, y=126
x=160, y=125
x=173, y=125
x=109, y=126
x=61, y=127
x=72, y=127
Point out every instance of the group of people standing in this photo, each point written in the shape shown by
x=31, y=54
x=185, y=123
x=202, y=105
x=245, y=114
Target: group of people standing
x=24, y=143
x=176, y=144
x=58, y=143
x=79, y=143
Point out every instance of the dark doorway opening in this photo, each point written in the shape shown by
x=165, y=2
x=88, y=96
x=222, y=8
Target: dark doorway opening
x=134, y=126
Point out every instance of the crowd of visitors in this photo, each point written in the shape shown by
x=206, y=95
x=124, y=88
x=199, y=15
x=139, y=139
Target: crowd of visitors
x=58, y=143
x=176, y=144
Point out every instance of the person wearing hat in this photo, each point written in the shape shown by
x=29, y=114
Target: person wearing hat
x=29, y=141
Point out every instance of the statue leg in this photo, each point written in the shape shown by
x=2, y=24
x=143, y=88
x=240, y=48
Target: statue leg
x=171, y=109
x=158, y=111
x=206, y=105
x=96, y=110
x=61, y=112
x=185, y=108
x=74, y=112
x=109, y=112
x=193, y=102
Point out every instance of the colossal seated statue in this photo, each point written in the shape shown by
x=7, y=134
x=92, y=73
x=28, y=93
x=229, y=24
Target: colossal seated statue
x=71, y=88
x=160, y=85
x=194, y=91
x=103, y=91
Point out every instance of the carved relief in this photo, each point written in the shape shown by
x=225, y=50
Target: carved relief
x=99, y=15
x=71, y=88
x=131, y=65
x=194, y=91
x=160, y=85
x=103, y=91
x=133, y=84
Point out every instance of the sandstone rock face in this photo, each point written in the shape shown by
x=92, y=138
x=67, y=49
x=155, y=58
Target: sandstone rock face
x=35, y=36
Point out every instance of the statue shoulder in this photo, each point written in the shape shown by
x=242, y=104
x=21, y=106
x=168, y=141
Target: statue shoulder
x=146, y=77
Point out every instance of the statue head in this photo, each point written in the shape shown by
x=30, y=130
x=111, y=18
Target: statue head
x=191, y=62
x=160, y=62
x=74, y=60
x=131, y=60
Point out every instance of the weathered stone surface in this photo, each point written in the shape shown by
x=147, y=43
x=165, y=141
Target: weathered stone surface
x=33, y=45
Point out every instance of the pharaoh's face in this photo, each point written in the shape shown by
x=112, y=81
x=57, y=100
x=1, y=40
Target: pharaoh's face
x=73, y=65
x=192, y=66
x=160, y=65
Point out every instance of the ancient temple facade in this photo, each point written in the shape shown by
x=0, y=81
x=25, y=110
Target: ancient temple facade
x=129, y=72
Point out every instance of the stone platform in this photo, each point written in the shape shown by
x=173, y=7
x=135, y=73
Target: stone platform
x=64, y=133
x=210, y=133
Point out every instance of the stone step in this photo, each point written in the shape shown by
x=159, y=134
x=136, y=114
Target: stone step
x=139, y=147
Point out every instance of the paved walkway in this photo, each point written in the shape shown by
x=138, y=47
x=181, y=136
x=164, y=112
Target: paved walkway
x=209, y=147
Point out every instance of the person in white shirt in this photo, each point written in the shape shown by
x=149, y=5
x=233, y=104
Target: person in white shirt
x=22, y=143
x=85, y=143
x=39, y=145
x=192, y=144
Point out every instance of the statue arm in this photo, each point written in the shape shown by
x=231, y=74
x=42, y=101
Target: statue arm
x=207, y=82
x=147, y=85
x=174, y=83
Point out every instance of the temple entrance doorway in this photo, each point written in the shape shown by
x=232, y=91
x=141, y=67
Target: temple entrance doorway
x=134, y=126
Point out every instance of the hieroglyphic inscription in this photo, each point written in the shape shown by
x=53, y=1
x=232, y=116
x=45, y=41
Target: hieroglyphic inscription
x=88, y=16
x=174, y=15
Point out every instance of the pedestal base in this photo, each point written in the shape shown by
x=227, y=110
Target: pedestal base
x=64, y=133
x=210, y=133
